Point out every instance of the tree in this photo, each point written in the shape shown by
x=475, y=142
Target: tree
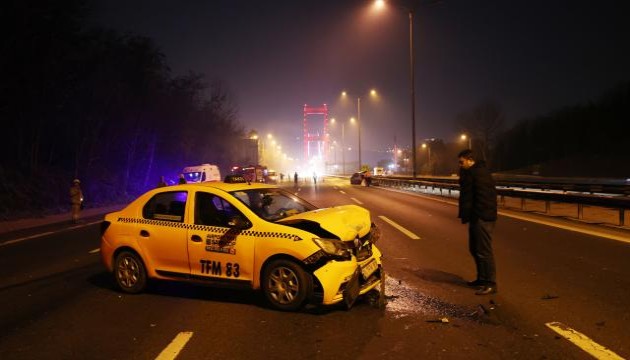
x=484, y=124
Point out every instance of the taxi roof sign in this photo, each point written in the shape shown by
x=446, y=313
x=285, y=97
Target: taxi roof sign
x=234, y=179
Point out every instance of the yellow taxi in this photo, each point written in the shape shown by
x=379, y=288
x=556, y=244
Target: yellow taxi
x=248, y=235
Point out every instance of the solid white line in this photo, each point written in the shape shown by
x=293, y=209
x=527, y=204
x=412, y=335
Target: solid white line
x=597, y=233
x=356, y=201
x=14, y=241
x=26, y=238
x=173, y=349
x=569, y=227
x=94, y=251
x=583, y=342
x=400, y=228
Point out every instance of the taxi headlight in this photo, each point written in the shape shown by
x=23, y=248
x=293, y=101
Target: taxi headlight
x=335, y=248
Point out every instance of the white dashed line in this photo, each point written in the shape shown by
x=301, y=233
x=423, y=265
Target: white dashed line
x=583, y=342
x=356, y=201
x=173, y=349
x=400, y=228
x=341, y=191
x=94, y=251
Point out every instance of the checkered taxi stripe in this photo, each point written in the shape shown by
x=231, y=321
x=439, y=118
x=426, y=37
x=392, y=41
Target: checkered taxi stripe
x=213, y=229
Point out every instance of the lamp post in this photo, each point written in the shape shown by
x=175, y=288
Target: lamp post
x=373, y=94
x=359, y=127
x=464, y=137
x=428, y=147
x=413, y=93
x=379, y=4
x=343, y=145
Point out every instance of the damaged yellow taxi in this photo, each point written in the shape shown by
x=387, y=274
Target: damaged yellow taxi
x=238, y=234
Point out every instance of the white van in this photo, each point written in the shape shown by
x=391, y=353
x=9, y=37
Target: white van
x=202, y=173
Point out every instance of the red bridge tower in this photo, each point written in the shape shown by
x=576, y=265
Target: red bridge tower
x=315, y=133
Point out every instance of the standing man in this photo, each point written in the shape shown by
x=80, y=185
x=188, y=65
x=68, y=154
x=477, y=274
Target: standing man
x=76, y=199
x=182, y=179
x=162, y=182
x=295, y=179
x=478, y=209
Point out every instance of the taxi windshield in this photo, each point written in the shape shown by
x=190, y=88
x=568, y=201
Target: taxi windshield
x=272, y=204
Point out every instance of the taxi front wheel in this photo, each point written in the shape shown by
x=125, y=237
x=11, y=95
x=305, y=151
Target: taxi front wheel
x=130, y=274
x=286, y=285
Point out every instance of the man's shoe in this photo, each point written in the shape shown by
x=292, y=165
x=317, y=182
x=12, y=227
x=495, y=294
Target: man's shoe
x=475, y=283
x=487, y=290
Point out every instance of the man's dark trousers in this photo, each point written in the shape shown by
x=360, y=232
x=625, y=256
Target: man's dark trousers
x=480, y=246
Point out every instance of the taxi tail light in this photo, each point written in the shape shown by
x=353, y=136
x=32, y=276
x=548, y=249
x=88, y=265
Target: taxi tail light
x=104, y=225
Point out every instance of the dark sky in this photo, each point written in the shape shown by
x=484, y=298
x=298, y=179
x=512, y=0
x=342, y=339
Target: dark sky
x=530, y=57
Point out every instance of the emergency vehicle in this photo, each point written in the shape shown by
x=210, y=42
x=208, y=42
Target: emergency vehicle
x=202, y=173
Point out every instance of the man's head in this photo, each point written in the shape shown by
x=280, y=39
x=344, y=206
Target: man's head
x=466, y=159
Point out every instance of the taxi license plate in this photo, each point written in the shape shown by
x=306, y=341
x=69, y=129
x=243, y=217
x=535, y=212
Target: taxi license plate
x=369, y=268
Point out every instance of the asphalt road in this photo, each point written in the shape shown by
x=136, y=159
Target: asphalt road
x=57, y=301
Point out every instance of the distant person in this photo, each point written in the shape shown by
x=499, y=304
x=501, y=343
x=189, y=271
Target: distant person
x=281, y=177
x=76, y=200
x=314, y=178
x=478, y=209
x=162, y=182
x=182, y=179
x=295, y=179
x=368, y=178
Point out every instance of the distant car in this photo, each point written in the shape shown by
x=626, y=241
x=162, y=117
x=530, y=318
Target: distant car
x=250, y=235
x=356, y=178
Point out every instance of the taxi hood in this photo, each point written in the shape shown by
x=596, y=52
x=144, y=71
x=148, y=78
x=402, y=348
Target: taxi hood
x=344, y=222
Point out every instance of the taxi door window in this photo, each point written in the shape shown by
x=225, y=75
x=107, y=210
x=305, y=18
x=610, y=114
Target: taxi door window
x=212, y=210
x=168, y=206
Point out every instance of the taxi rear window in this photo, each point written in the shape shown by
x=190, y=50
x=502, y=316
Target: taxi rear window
x=167, y=206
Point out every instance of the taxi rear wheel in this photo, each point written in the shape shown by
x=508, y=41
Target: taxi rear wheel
x=130, y=274
x=286, y=285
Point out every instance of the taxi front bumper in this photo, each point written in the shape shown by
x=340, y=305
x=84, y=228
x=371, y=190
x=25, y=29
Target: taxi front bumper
x=346, y=280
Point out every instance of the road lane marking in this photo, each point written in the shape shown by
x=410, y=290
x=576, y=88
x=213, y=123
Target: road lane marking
x=173, y=349
x=94, y=251
x=583, y=342
x=26, y=238
x=356, y=201
x=400, y=228
x=568, y=227
x=341, y=191
x=14, y=241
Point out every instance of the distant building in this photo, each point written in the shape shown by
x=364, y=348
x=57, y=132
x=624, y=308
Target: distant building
x=247, y=151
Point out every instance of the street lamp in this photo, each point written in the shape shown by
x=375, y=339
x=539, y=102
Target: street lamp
x=371, y=93
x=464, y=137
x=343, y=145
x=428, y=147
x=378, y=4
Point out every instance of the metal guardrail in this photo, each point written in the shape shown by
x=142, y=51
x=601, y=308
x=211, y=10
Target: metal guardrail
x=609, y=194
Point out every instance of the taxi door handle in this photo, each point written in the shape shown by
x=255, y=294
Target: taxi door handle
x=144, y=233
x=195, y=238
